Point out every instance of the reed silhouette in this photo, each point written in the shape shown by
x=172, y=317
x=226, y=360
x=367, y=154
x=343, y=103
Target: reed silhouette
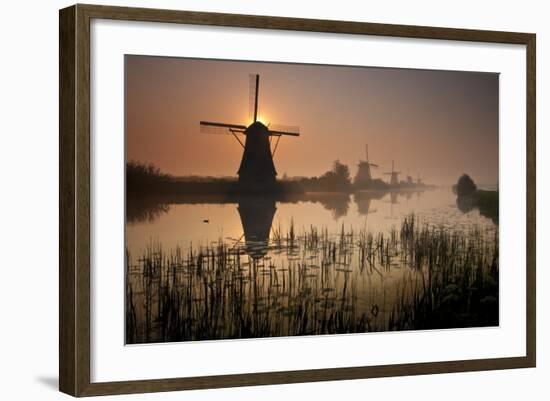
x=232, y=289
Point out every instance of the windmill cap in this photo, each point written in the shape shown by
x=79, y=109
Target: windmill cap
x=257, y=126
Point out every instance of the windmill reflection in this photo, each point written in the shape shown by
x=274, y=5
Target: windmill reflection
x=394, y=200
x=256, y=218
x=363, y=201
x=336, y=203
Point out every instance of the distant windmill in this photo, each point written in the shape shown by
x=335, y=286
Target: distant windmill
x=409, y=178
x=419, y=180
x=257, y=165
x=394, y=179
x=364, y=175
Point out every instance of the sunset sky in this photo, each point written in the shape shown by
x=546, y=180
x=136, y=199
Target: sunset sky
x=438, y=124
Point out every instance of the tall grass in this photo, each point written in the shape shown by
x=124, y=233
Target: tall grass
x=313, y=282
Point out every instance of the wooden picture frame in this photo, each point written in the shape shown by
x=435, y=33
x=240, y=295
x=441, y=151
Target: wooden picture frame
x=74, y=203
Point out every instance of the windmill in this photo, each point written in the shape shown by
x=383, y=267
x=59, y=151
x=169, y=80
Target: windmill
x=393, y=175
x=364, y=176
x=257, y=167
x=409, y=178
x=419, y=180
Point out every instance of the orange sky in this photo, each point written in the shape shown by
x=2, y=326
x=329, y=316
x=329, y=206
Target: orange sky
x=438, y=124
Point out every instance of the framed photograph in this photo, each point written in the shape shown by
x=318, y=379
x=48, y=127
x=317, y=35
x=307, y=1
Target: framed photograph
x=250, y=200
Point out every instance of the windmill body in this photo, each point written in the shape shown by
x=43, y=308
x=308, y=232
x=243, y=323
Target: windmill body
x=394, y=175
x=364, y=175
x=257, y=169
x=257, y=161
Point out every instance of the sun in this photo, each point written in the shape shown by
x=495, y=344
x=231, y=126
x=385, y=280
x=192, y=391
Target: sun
x=263, y=119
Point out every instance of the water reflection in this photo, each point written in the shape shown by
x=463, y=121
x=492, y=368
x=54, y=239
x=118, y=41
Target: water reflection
x=363, y=201
x=256, y=215
x=335, y=202
x=184, y=219
x=465, y=204
x=393, y=200
x=145, y=209
x=149, y=209
x=214, y=267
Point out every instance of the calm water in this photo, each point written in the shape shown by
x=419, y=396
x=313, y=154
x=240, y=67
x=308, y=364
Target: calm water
x=184, y=224
x=264, y=231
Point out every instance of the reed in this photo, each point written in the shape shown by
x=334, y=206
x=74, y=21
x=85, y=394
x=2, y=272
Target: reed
x=311, y=282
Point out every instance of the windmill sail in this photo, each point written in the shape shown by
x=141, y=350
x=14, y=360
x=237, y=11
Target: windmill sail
x=368, y=161
x=254, y=86
x=278, y=130
x=210, y=127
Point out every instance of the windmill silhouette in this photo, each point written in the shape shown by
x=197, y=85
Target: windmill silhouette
x=364, y=175
x=409, y=179
x=256, y=215
x=393, y=175
x=257, y=167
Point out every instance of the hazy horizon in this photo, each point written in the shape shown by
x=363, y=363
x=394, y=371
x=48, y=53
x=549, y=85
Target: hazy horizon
x=438, y=124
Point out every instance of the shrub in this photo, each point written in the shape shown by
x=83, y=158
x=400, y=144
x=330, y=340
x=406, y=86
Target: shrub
x=465, y=186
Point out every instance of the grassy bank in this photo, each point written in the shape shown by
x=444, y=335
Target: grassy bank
x=487, y=202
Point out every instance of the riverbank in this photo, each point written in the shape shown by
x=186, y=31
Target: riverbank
x=487, y=202
x=231, y=186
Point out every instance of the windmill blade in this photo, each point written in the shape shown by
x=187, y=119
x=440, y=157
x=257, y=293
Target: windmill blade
x=226, y=125
x=209, y=127
x=254, y=86
x=374, y=165
x=280, y=133
x=278, y=130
